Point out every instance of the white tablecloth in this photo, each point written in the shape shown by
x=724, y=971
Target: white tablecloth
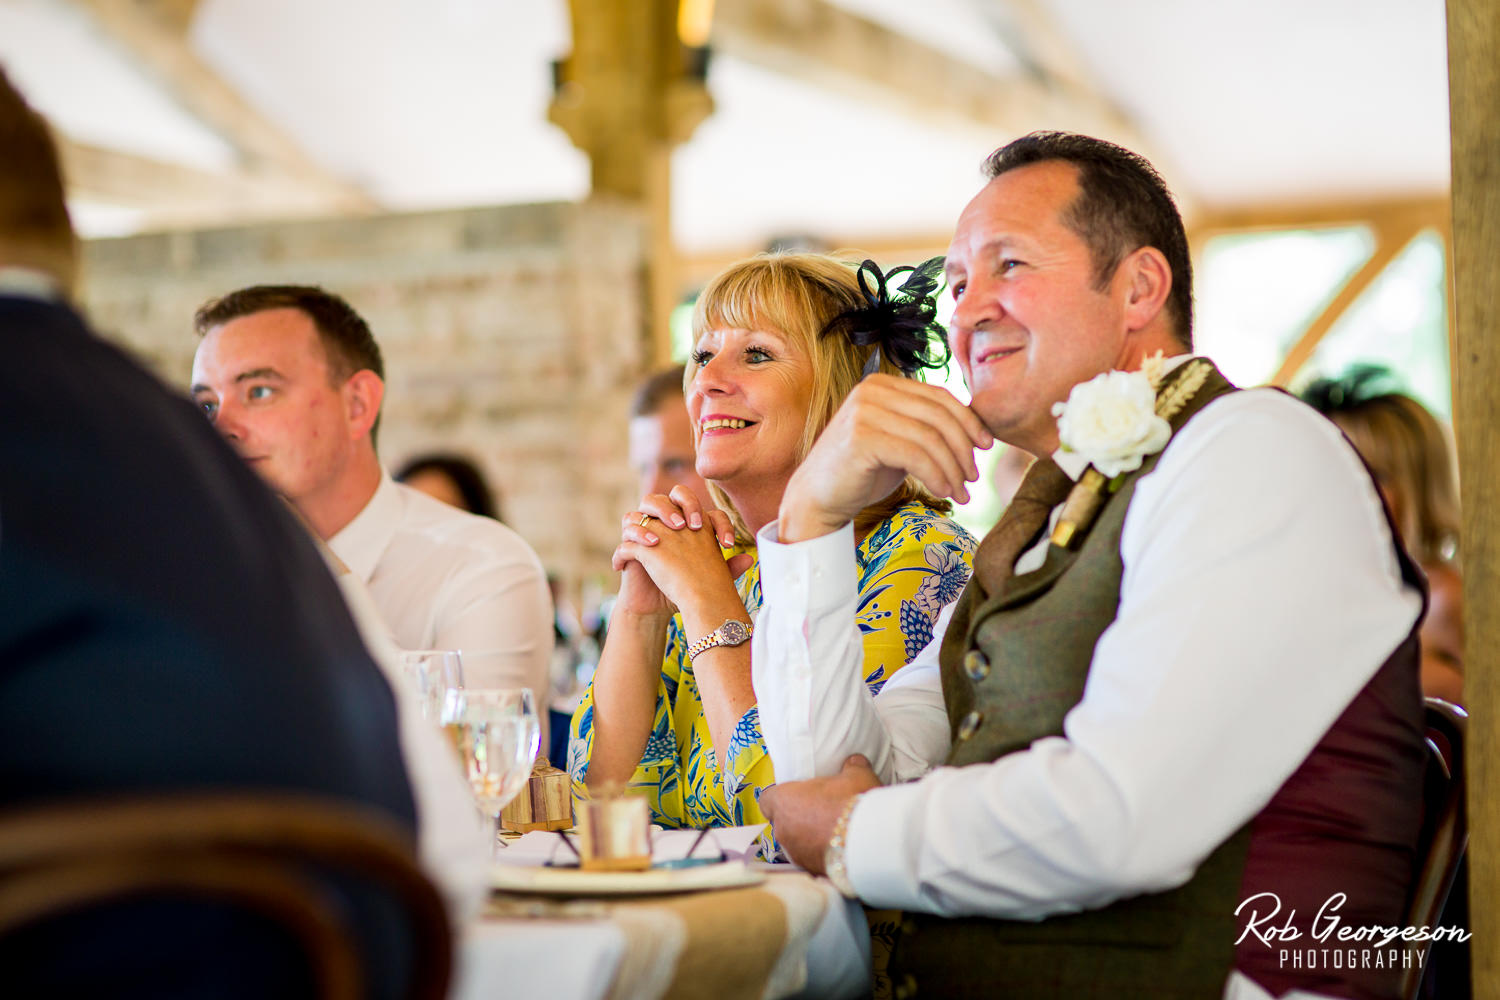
x=592, y=950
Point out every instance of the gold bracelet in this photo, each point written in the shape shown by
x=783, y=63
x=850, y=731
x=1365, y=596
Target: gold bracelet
x=833, y=855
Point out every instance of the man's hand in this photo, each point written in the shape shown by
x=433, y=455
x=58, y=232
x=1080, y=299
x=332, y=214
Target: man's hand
x=803, y=813
x=888, y=428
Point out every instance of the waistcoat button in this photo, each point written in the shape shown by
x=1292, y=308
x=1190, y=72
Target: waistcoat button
x=976, y=665
x=969, y=724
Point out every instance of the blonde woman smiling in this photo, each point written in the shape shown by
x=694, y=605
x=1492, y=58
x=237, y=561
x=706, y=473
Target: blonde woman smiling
x=780, y=340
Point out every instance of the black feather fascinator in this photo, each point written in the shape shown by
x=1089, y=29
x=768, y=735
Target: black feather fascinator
x=900, y=324
x=1360, y=384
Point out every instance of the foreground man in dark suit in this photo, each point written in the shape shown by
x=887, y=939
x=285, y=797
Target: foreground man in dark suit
x=165, y=625
x=1178, y=699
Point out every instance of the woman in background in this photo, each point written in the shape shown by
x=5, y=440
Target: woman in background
x=1407, y=450
x=452, y=479
x=780, y=341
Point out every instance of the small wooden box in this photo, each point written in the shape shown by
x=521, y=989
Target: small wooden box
x=546, y=803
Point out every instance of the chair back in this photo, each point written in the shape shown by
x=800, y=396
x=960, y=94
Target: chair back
x=1445, y=828
x=261, y=853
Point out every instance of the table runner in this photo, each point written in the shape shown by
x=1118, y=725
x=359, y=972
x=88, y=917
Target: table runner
x=732, y=944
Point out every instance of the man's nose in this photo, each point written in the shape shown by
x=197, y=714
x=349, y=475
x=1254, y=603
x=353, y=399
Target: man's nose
x=974, y=310
x=226, y=421
x=662, y=481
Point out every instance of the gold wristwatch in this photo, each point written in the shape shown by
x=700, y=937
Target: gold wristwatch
x=731, y=633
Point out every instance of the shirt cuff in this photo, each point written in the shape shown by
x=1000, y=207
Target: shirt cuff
x=818, y=574
x=881, y=869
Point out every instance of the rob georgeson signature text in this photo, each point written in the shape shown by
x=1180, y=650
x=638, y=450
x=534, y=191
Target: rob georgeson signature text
x=1264, y=909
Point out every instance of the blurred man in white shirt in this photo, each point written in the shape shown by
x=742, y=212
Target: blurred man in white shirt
x=661, y=437
x=291, y=376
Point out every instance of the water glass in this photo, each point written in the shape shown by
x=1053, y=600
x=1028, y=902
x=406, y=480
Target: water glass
x=434, y=674
x=496, y=734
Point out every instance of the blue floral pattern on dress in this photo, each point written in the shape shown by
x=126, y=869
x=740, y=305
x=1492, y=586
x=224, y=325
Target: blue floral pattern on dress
x=915, y=627
x=661, y=748
x=908, y=568
x=746, y=738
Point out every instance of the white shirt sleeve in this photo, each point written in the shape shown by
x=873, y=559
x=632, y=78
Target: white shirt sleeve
x=446, y=579
x=451, y=840
x=503, y=612
x=805, y=661
x=498, y=615
x=1260, y=593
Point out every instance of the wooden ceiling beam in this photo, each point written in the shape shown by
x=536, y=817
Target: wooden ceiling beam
x=1033, y=37
x=1390, y=240
x=695, y=269
x=820, y=43
x=1431, y=209
x=172, y=194
x=177, y=14
x=154, y=34
x=1054, y=61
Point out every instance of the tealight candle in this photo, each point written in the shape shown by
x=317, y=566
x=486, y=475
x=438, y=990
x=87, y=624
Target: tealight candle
x=614, y=833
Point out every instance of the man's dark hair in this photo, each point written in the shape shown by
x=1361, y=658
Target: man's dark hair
x=346, y=338
x=35, y=231
x=658, y=388
x=345, y=335
x=1122, y=205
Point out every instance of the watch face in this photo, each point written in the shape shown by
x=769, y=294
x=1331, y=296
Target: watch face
x=733, y=633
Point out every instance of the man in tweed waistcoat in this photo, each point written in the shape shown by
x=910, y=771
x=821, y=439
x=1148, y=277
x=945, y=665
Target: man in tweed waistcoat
x=1178, y=701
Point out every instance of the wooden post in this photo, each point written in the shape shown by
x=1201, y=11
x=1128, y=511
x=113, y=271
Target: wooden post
x=626, y=96
x=1474, y=97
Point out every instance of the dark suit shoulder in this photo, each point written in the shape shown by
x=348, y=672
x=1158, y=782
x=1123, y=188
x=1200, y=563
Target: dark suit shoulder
x=148, y=573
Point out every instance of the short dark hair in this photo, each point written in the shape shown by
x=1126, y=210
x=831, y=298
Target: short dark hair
x=1122, y=205
x=345, y=335
x=465, y=476
x=34, y=227
x=656, y=390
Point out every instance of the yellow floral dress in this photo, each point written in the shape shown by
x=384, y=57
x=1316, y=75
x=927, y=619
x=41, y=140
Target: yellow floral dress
x=909, y=567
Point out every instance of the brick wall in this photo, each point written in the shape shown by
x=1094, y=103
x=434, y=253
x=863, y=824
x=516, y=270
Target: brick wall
x=514, y=334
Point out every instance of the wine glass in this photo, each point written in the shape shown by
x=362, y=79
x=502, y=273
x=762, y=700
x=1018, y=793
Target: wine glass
x=434, y=673
x=496, y=733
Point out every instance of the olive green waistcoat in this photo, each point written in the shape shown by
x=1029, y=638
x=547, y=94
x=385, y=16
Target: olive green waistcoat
x=1013, y=664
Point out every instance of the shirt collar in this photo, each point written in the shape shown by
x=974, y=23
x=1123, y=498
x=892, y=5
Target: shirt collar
x=362, y=541
x=23, y=282
x=1073, y=463
x=1070, y=462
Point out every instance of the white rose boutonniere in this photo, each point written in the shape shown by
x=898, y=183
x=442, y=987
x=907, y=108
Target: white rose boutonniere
x=1111, y=420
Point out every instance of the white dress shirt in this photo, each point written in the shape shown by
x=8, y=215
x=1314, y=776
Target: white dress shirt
x=1260, y=593
x=452, y=843
x=447, y=579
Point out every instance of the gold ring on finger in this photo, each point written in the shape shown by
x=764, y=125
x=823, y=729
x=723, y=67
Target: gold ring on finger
x=645, y=520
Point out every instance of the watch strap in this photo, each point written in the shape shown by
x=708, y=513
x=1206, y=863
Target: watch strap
x=731, y=633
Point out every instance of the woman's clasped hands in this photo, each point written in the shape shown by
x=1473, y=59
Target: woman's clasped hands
x=669, y=552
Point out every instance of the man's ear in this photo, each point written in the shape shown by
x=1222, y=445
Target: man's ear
x=363, y=393
x=1148, y=283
